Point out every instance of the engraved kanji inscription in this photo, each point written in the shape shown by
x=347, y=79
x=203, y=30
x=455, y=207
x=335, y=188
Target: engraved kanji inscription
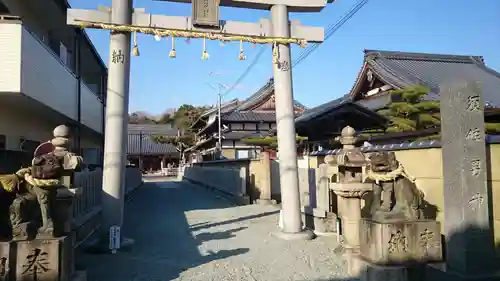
x=37, y=263
x=398, y=243
x=118, y=56
x=473, y=134
x=473, y=103
x=284, y=65
x=3, y=266
x=206, y=8
x=475, y=167
x=426, y=241
x=475, y=201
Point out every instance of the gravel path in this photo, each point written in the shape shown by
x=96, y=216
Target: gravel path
x=184, y=232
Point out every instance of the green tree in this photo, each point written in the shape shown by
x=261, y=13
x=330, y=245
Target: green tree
x=136, y=118
x=166, y=118
x=409, y=111
x=269, y=142
x=183, y=119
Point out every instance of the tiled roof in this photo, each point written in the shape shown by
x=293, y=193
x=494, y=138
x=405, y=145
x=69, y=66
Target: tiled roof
x=152, y=129
x=323, y=108
x=250, y=116
x=238, y=135
x=401, y=69
x=148, y=146
x=225, y=107
x=262, y=94
x=491, y=139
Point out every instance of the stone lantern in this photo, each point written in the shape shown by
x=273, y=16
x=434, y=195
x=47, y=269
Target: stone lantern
x=349, y=185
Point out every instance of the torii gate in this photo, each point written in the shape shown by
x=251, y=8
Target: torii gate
x=122, y=19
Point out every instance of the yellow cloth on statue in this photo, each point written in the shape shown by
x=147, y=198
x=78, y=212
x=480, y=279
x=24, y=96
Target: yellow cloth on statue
x=25, y=173
x=9, y=183
x=39, y=182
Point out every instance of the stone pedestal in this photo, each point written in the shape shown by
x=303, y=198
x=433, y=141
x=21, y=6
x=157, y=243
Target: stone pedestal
x=6, y=263
x=373, y=272
x=324, y=223
x=44, y=259
x=50, y=259
x=397, y=250
x=391, y=243
x=350, y=212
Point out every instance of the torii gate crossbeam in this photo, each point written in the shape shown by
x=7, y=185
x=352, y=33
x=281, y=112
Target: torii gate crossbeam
x=263, y=28
x=294, y=6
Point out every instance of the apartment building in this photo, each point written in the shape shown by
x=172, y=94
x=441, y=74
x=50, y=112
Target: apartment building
x=50, y=74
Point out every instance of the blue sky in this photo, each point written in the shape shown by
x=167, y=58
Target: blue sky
x=434, y=26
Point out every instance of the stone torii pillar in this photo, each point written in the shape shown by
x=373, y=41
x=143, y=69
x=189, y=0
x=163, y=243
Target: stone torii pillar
x=205, y=20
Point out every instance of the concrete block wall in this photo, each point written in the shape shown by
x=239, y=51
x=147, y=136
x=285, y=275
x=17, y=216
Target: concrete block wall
x=230, y=181
x=257, y=176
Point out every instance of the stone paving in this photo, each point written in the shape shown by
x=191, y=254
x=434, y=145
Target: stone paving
x=184, y=232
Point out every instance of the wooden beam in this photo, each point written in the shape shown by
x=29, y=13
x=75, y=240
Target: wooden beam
x=295, y=6
x=140, y=19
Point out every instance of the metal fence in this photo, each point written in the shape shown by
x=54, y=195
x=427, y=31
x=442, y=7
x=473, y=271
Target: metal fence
x=89, y=197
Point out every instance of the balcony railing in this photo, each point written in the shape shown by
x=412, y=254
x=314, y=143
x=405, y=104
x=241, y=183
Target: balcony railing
x=30, y=67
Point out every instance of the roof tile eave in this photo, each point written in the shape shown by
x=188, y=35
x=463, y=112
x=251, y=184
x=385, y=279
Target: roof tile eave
x=322, y=108
x=423, y=56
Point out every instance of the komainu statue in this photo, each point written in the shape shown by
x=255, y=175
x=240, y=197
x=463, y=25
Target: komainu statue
x=395, y=195
x=32, y=192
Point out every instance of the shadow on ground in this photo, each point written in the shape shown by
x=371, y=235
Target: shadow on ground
x=164, y=243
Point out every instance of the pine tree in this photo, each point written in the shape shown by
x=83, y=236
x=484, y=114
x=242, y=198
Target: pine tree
x=408, y=111
x=183, y=118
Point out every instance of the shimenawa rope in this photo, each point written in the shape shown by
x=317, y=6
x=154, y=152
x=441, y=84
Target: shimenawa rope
x=389, y=176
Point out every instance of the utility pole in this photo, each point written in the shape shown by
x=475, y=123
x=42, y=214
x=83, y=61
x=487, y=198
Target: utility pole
x=219, y=88
x=219, y=121
x=205, y=24
x=219, y=105
x=140, y=151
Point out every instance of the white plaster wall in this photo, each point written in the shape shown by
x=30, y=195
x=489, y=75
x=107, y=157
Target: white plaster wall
x=45, y=78
x=91, y=110
x=10, y=57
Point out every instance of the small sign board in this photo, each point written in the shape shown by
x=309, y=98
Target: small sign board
x=114, y=238
x=206, y=13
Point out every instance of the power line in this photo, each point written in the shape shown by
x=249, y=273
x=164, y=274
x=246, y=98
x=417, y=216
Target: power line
x=332, y=29
x=329, y=32
x=247, y=71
